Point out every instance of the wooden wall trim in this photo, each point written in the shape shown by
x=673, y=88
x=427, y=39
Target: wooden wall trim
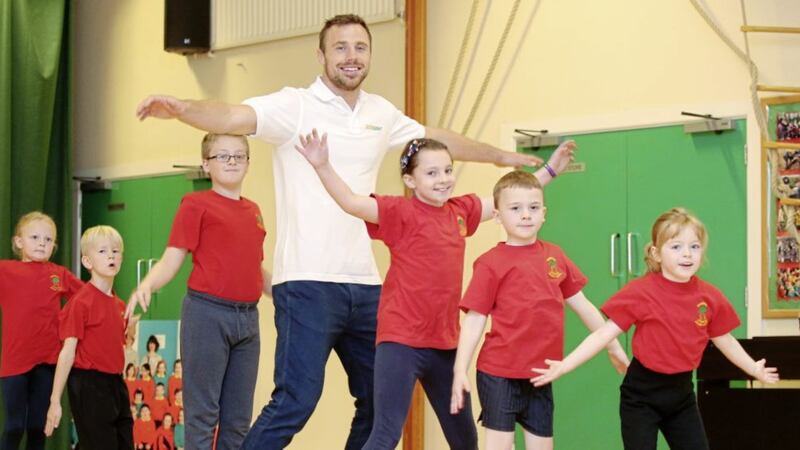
x=416, y=25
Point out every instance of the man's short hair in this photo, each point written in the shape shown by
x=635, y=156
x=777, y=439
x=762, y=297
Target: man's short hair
x=340, y=20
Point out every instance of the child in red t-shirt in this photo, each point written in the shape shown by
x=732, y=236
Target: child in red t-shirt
x=220, y=342
x=93, y=356
x=144, y=430
x=159, y=404
x=175, y=380
x=676, y=314
x=523, y=284
x=417, y=329
x=132, y=381
x=31, y=290
x=146, y=382
x=164, y=434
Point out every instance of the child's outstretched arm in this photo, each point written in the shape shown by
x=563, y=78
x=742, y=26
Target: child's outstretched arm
x=315, y=150
x=591, y=317
x=465, y=149
x=585, y=351
x=65, y=359
x=733, y=350
x=161, y=273
x=471, y=330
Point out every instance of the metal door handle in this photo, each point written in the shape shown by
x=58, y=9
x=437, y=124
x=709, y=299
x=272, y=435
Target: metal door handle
x=630, y=240
x=139, y=271
x=614, y=238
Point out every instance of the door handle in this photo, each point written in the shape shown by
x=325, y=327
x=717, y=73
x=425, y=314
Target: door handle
x=139, y=271
x=630, y=239
x=613, y=259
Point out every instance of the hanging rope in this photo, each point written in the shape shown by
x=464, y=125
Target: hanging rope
x=492, y=66
x=470, y=65
x=459, y=61
x=788, y=207
x=761, y=119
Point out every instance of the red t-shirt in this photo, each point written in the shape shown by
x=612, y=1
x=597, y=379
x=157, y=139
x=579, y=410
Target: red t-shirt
x=158, y=408
x=132, y=385
x=226, y=239
x=175, y=383
x=144, y=432
x=30, y=297
x=523, y=288
x=419, y=300
x=148, y=388
x=164, y=439
x=174, y=411
x=674, y=321
x=96, y=320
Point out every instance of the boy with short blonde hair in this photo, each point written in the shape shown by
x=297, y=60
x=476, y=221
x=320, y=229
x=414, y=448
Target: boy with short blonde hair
x=93, y=356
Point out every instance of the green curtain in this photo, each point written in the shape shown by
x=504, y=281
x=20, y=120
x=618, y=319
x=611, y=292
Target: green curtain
x=35, y=126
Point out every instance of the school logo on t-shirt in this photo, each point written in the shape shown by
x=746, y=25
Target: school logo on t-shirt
x=702, y=319
x=553, y=272
x=55, y=283
x=462, y=226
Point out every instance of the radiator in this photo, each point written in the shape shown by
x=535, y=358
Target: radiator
x=243, y=22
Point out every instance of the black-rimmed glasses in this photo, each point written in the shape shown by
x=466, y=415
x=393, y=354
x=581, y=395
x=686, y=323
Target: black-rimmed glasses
x=225, y=157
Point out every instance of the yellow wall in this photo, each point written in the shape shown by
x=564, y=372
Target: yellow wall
x=582, y=65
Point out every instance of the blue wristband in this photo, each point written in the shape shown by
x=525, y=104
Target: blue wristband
x=550, y=170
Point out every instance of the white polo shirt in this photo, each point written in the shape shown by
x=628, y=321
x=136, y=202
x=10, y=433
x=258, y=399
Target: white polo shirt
x=316, y=240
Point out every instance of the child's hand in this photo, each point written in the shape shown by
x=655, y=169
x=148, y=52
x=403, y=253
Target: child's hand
x=619, y=359
x=313, y=148
x=563, y=155
x=140, y=296
x=53, y=418
x=547, y=375
x=460, y=385
x=763, y=374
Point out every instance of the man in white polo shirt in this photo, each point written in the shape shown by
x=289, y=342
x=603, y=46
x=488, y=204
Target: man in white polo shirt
x=325, y=282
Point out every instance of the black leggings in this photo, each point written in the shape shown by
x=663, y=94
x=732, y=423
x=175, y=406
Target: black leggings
x=652, y=401
x=26, y=397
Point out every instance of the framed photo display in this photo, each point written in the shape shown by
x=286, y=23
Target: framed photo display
x=781, y=208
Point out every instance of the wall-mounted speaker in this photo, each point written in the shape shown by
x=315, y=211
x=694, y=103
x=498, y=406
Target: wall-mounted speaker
x=187, y=26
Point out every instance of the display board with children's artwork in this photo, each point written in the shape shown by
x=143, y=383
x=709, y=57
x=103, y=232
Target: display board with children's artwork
x=781, y=193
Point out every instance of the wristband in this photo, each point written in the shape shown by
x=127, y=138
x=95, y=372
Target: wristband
x=550, y=170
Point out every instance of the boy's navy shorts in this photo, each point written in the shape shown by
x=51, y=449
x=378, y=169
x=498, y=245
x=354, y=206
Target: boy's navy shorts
x=506, y=401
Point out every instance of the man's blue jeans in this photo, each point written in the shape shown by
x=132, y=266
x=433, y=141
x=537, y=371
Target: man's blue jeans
x=312, y=318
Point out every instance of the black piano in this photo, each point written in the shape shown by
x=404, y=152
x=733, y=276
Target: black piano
x=752, y=419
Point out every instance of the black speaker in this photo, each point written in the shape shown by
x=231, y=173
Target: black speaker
x=187, y=26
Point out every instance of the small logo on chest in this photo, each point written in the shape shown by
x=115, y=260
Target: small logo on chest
x=462, y=226
x=702, y=318
x=55, y=283
x=552, y=265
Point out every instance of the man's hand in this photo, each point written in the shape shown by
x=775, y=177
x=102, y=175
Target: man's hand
x=160, y=107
